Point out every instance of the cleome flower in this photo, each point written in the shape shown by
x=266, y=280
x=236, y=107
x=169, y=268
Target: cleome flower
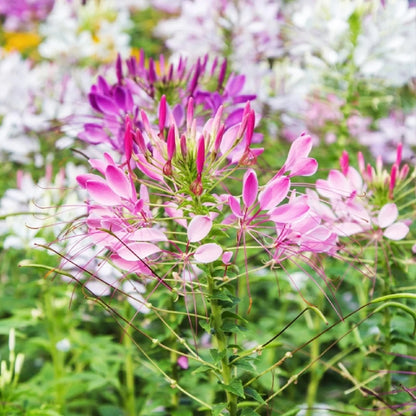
x=148, y=84
x=360, y=201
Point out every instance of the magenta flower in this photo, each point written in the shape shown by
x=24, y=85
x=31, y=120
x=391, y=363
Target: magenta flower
x=142, y=87
x=20, y=13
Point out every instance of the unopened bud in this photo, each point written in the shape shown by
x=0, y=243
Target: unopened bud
x=196, y=187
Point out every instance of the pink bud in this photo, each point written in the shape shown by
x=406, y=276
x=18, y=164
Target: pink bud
x=162, y=113
x=344, y=162
x=392, y=183
x=361, y=162
x=226, y=257
x=171, y=142
x=200, y=156
x=184, y=148
x=139, y=139
x=218, y=139
x=167, y=168
x=119, y=69
x=399, y=154
x=404, y=172
x=250, y=127
x=196, y=187
x=189, y=114
x=379, y=164
x=217, y=119
x=128, y=139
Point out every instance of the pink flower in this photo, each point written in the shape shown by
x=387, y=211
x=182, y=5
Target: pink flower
x=386, y=220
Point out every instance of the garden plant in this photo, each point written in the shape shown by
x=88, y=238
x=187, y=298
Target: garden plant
x=208, y=207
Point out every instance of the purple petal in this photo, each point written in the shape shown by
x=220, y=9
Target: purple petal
x=208, y=253
x=105, y=104
x=250, y=187
x=234, y=85
x=387, y=215
x=198, y=228
x=118, y=182
x=396, y=231
x=274, y=192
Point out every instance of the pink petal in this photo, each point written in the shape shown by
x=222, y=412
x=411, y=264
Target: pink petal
x=198, y=228
x=183, y=362
x=289, y=212
x=298, y=162
x=229, y=139
x=118, y=182
x=250, y=187
x=148, y=169
x=274, y=192
x=101, y=193
x=396, y=231
x=175, y=213
x=226, y=257
x=387, y=215
x=234, y=204
x=346, y=229
x=339, y=183
x=83, y=179
x=148, y=234
x=304, y=167
x=208, y=253
x=137, y=251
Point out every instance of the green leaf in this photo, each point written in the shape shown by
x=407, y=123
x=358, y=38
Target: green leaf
x=292, y=412
x=218, y=409
x=233, y=328
x=226, y=299
x=232, y=315
x=235, y=387
x=249, y=412
x=109, y=410
x=216, y=355
x=254, y=394
x=205, y=326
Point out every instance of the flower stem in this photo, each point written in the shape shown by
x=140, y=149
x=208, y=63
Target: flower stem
x=129, y=393
x=222, y=344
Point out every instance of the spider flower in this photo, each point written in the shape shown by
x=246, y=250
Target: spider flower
x=165, y=88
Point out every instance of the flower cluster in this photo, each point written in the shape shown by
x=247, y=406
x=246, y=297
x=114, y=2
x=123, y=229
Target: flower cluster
x=157, y=214
x=146, y=84
x=362, y=201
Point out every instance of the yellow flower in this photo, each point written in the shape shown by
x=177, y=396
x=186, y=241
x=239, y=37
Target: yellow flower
x=21, y=41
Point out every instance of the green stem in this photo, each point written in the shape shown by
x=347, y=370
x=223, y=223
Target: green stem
x=56, y=355
x=222, y=343
x=129, y=392
x=315, y=375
